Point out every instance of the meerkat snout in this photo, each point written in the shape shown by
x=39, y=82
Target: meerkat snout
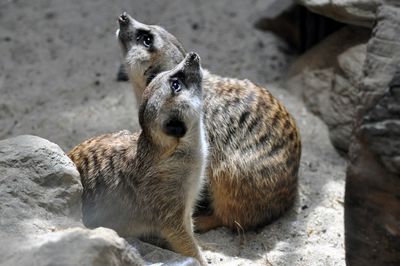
x=174, y=98
x=144, y=45
x=132, y=33
x=184, y=83
x=123, y=20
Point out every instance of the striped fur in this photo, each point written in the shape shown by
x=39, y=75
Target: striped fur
x=255, y=145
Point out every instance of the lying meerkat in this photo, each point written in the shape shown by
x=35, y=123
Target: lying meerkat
x=254, y=142
x=148, y=182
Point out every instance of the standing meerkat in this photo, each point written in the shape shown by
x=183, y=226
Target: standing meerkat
x=148, y=182
x=254, y=142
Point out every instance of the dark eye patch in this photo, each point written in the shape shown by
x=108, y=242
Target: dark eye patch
x=179, y=75
x=140, y=32
x=145, y=38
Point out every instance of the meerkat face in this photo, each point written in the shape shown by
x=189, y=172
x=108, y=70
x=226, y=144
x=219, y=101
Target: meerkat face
x=147, y=49
x=172, y=102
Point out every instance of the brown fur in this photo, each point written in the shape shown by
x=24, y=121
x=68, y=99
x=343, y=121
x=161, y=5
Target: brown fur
x=254, y=159
x=254, y=142
x=147, y=182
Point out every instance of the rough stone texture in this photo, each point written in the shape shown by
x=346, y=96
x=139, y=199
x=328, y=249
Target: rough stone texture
x=77, y=246
x=356, y=12
x=380, y=127
x=40, y=190
x=328, y=76
x=339, y=113
x=372, y=211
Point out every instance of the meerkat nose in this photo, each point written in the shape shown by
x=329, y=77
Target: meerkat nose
x=193, y=56
x=123, y=19
x=192, y=61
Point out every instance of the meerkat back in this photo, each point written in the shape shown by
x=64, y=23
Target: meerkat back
x=101, y=162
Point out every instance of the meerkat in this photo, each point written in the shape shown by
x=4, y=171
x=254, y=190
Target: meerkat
x=148, y=182
x=255, y=145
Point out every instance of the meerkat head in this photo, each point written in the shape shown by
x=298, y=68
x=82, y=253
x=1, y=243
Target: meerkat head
x=172, y=103
x=147, y=50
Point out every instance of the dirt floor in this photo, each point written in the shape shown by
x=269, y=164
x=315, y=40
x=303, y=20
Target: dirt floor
x=57, y=80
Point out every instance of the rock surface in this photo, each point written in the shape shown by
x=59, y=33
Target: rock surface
x=40, y=191
x=372, y=188
x=328, y=76
x=78, y=246
x=356, y=12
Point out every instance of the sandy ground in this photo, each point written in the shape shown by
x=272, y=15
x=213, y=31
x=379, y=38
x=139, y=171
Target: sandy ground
x=57, y=80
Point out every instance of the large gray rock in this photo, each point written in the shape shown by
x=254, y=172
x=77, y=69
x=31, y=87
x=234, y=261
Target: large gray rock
x=40, y=191
x=372, y=203
x=328, y=76
x=40, y=223
x=339, y=113
x=77, y=246
x=356, y=12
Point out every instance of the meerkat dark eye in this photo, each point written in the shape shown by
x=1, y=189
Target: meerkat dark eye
x=176, y=86
x=146, y=39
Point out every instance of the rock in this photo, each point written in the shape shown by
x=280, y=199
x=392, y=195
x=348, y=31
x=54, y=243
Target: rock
x=355, y=12
x=328, y=76
x=40, y=191
x=372, y=203
x=77, y=246
x=41, y=212
x=380, y=127
x=294, y=23
x=339, y=113
x=279, y=17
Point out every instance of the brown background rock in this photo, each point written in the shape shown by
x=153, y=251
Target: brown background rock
x=372, y=201
x=355, y=12
x=328, y=75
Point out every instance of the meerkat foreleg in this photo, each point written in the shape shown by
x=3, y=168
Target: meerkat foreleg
x=181, y=240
